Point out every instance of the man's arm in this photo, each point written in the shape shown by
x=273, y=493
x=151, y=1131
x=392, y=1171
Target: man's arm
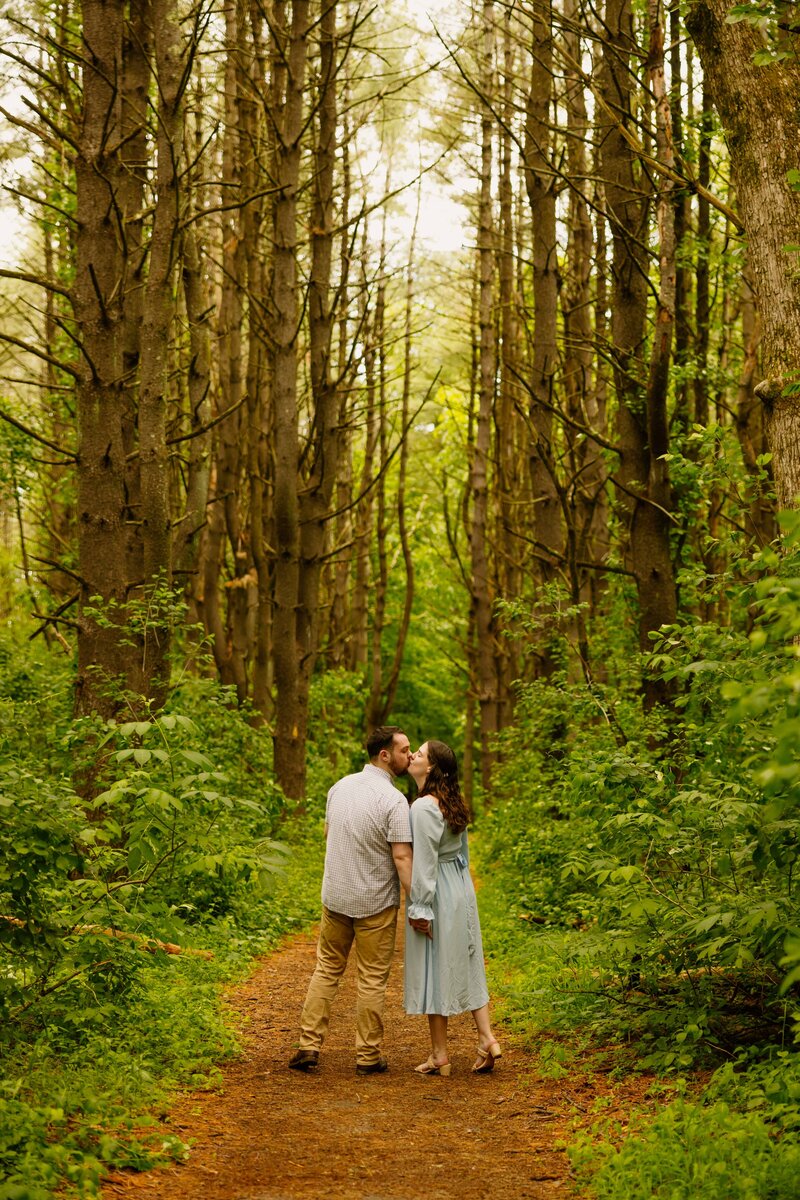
x=401, y=853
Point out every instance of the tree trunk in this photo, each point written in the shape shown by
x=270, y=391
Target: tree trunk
x=678, y=56
x=702, y=309
x=381, y=581
x=540, y=185
x=651, y=541
x=102, y=653
x=134, y=152
x=340, y=628
x=357, y=657
x=157, y=315
x=587, y=524
x=508, y=436
x=382, y=701
x=324, y=444
x=257, y=218
x=759, y=113
x=288, y=738
x=198, y=383
x=761, y=528
x=223, y=515
x=482, y=599
x=641, y=419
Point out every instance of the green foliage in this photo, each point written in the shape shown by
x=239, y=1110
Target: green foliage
x=675, y=844
x=335, y=739
x=78, y=1094
x=80, y=1086
x=649, y=865
x=167, y=839
x=772, y=18
x=688, y=1151
x=765, y=1081
x=176, y=844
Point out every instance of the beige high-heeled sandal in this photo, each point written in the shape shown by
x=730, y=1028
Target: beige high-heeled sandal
x=429, y=1067
x=487, y=1058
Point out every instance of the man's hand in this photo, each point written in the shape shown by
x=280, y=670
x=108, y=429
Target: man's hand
x=421, y=925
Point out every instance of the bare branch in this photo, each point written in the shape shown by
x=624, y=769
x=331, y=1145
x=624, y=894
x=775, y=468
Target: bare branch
x=39, y=280
x=4, y=416
x=29, y=349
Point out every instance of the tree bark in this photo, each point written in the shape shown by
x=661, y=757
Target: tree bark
x=288, y=737
x=759, y=113
x=702, y=310
x=226, y=624
x=364, y=521
x=508, y=435
x=482, y=599
x=540, y=186
x=157, y=315
x=134, y=151
x=381, y=701
x=381, y=579
x=324, y=443
x=585, y=500
x=641, y=422
x=100, y=267
x=257, y=217
x=762, y=527
x=198, y=384
x=340, y=628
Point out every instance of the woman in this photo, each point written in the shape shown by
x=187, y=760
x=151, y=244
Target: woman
x=444, y=972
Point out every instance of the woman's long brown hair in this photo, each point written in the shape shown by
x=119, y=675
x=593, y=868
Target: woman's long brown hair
x=442, y=782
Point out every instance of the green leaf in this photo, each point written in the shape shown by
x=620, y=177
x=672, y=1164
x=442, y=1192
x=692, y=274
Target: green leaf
x=197, y=759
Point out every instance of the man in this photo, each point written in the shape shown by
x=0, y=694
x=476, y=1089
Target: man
x=367, y=857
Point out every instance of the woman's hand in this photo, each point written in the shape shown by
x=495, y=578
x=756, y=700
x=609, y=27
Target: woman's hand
x=421, y=925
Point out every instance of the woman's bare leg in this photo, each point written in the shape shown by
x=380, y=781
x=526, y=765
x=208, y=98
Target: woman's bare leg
x=486, y=1038
x=438, y=1031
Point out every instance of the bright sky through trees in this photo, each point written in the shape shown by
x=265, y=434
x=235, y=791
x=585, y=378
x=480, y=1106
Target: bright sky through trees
x=442, y=218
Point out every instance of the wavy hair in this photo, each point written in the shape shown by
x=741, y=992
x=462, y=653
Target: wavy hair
x=442, y=783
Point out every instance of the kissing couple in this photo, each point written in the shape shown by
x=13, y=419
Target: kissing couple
x=374, y=843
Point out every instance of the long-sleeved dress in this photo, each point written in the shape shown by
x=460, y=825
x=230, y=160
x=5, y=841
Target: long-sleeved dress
x=444, y=974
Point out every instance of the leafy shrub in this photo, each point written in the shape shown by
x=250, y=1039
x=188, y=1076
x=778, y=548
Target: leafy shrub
x=79, y=890
x=763, y=1080
x=672, y=840
x=81, y=1082
x=688, y=1151
x=650, y=867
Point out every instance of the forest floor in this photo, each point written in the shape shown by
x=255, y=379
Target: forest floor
x=269, y=1133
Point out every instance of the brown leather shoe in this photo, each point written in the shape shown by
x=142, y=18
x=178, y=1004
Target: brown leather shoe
x=304, y=1060
x=373, y=1068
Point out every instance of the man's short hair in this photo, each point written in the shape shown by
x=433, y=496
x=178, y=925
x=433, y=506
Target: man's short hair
x=381, y=739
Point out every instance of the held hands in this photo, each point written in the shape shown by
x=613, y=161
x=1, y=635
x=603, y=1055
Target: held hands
x=421, y=925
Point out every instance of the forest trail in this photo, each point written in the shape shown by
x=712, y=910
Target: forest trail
x=275, y=1134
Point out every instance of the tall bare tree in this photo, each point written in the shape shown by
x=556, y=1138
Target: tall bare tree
x=757, y=106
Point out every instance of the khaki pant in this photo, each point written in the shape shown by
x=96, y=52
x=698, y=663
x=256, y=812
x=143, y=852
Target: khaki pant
x=374, y=937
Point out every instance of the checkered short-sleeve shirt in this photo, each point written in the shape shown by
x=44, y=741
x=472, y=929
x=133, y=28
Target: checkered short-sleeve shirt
x=365, y=814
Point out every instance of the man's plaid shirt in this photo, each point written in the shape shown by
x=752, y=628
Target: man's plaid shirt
x=364, y=815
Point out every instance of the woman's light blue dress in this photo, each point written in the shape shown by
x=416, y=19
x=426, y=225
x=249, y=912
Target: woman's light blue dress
x=444, y=974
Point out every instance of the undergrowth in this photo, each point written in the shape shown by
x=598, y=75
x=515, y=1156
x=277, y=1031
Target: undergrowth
x=83, y=1091
x=187, y=841
x=642, y=895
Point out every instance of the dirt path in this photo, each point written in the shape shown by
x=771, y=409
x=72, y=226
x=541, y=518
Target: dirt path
x=275, y=1134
